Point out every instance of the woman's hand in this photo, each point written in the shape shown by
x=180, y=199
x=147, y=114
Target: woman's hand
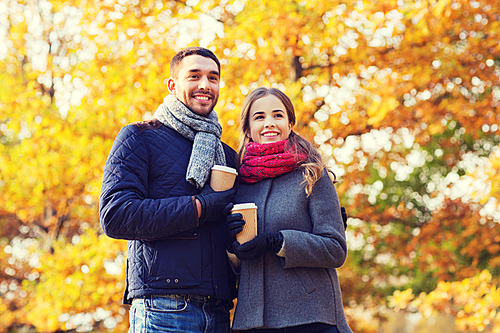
x=258, y=246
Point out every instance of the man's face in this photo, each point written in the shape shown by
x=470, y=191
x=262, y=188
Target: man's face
x=197, y=85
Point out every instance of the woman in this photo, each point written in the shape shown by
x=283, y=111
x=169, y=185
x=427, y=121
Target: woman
x=288, y=277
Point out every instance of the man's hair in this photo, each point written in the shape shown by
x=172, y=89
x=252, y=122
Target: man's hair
x=194, y=50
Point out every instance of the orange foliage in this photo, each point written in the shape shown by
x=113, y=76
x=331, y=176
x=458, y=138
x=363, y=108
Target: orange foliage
x=401, y=98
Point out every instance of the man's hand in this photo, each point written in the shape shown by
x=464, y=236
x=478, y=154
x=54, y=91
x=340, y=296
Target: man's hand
x=235, y=225
x=213, y=203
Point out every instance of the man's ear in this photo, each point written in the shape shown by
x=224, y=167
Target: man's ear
x=171, y=85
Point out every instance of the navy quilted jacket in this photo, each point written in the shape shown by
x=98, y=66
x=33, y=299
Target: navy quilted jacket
x=146, y=200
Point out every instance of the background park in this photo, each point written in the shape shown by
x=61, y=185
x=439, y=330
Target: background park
x=401, y=97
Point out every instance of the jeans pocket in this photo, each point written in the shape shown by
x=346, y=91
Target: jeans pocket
x=136, y=317
x=226, y=306
x=163, y=304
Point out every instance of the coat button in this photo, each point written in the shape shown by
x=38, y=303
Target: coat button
x=176, y=280
x=168, y=280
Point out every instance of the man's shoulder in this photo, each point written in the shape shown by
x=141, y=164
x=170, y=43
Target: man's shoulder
x=149, y=131
x=231, y=155
x=154, y=125
x=142, y=126
x=228, y=148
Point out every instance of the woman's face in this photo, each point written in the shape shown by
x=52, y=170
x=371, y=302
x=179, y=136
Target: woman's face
x=268, y=120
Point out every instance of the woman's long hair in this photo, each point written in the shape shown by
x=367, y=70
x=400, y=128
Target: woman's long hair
x=313, y=166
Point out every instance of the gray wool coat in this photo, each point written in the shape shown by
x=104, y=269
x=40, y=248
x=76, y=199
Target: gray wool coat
x=303, y=286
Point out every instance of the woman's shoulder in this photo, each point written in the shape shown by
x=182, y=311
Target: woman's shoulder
x=299, y=174
x=253, y=187
x=295, y=173
x=325, y=183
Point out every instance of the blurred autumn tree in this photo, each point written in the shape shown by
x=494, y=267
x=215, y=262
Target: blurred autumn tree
x=400, y=96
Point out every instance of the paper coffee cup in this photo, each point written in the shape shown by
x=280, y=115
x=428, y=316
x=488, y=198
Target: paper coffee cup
x=249, y=213
x=222, y=178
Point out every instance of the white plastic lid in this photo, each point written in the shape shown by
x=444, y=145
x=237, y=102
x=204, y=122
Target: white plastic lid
x=250, y=205
x=224, y=168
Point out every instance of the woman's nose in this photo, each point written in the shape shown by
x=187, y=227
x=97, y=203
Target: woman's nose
x=269, y=123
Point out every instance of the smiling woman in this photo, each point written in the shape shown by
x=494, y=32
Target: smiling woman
x=269, y=120
x=300, y=231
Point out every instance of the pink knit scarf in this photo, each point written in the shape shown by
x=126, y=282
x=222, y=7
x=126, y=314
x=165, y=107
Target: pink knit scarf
x=268, y=160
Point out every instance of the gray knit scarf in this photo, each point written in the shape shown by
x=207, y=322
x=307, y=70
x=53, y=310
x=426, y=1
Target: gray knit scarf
x=205, y=133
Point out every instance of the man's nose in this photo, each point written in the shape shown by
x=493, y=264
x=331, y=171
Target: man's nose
x=203, y=83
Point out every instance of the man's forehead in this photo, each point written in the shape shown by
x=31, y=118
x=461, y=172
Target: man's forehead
x=198, y=63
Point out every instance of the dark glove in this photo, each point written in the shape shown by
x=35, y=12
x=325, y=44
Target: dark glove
x=344, y=217
x=213, y=203
x=256, y=247
x=235, y=224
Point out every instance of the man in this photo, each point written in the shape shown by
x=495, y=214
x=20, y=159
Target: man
x=156, y=195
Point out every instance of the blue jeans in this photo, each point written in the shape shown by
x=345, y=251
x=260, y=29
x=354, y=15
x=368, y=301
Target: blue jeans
x=308, y=328
x=179, y=313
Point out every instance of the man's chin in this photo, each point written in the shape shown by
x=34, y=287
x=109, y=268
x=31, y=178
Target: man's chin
x=202, y=110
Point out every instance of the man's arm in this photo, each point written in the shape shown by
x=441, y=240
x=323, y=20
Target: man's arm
x=125, y=211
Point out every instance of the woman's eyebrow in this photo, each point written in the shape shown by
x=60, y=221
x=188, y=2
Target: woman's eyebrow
x=260, y=112
x=257, y=112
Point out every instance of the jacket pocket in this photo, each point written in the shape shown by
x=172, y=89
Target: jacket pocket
x=173, y=263
x=305, y=279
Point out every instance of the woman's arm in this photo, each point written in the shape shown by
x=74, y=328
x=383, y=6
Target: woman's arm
x=326, y=245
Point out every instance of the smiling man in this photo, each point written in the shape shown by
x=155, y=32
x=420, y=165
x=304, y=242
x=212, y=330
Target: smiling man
x=195, y=82
x=156, y=195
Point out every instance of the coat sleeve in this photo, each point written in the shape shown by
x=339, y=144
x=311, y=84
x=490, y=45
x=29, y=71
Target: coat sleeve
x=325, y=246
x=125, y=211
